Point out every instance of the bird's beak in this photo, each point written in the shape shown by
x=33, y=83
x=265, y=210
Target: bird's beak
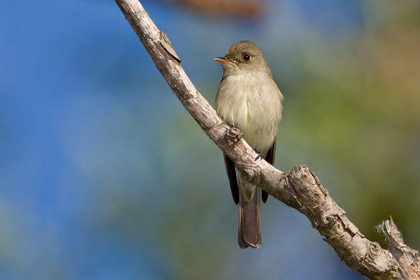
x=223, y=60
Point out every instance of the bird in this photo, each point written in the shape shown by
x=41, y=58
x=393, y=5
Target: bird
x=249, y=99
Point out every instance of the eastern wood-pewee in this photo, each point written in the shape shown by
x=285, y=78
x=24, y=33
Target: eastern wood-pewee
x=249, y=99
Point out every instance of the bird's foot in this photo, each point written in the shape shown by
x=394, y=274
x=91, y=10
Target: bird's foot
x=259, y=156
x=233, y=135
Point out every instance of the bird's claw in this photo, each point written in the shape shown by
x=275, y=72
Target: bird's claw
x=233, y=135
x=259, y=156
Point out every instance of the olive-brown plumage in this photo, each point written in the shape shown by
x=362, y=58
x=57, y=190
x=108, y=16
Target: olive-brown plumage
x=249, y=99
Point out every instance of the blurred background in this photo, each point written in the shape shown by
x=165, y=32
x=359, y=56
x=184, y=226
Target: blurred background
x=104, y=175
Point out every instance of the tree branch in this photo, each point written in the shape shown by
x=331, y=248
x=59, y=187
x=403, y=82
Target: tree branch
x=299, y=188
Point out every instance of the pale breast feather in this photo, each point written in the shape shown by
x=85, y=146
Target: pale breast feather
x=251, y=102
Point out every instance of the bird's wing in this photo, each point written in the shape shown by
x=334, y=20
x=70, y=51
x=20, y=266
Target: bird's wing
x=231, y=172
x=271, y=154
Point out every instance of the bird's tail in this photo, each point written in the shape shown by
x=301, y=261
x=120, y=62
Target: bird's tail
x=249, y=215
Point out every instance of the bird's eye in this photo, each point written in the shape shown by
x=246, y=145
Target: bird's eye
x=246, y=57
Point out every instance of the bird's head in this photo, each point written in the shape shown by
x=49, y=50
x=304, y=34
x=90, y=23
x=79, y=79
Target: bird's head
x=243, y=57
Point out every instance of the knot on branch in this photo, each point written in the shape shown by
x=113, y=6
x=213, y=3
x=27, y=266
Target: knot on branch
x=307, y=186
x=252, y=176
x=374, y=249
x=233, y=136
x=330, y=218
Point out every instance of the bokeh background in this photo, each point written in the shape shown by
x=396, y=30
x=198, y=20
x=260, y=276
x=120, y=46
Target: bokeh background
x=103, y=174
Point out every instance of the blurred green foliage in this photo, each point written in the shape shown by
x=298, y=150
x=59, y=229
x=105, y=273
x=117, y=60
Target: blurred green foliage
x=358, y=116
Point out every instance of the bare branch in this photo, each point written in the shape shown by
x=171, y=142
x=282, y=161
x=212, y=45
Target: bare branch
x=299, y=188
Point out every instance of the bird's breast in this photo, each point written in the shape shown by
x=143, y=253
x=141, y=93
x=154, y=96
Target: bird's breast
x=252, y=103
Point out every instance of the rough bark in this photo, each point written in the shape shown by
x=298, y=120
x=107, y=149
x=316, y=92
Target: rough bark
x=299, y=188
